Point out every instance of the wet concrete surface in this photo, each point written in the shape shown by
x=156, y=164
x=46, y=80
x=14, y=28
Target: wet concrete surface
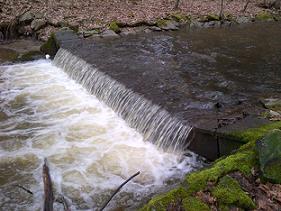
x=198, y=76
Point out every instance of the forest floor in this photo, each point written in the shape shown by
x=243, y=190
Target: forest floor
x=94, y=14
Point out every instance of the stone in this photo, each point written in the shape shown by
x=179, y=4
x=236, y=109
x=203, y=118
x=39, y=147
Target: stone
x=196, y=24
x=38, y=24
x=269, y=154
x=168, y=24
x=155, y=28
x=272, y=103
x=264, y=16
x=38, y=15
x=26, y=17
x=90, y=33
x=109, y=34
x=211, y=24
x=25, y=30
x=114, y=27
x=147, y=30
x=127, y=31
x=243, y=19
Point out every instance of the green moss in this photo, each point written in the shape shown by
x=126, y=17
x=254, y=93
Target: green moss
x=180, y=17
x=228, y=192
x=212, y=17
x=253, y=134
x=241, y=161
x=264, y=16
x=161, y=202
x=114, y=27
x=194, y=204
x=8, y=55
x=50, y=47
x=162, y=23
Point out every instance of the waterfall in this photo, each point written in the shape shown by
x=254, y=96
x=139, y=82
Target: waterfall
x=154, y=122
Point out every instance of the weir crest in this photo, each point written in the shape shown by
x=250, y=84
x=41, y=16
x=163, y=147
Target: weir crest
x=152, y=121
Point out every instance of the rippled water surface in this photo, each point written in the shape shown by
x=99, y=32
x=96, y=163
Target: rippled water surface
x=90, y=149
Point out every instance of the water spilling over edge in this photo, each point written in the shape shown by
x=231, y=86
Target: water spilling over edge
x=155, y=123
x=90, y=150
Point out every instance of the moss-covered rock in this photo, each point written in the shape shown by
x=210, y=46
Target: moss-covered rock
x=227, y=190
x=264, y=16
x=194, y=204
x=8, y=55
x=161, y=202
x=167, y=24
x=114, y=27
x=180, y=17
x=269, y=151
x=228, y=193
x=51, y=46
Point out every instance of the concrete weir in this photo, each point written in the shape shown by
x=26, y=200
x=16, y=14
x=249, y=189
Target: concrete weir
x=151, y=99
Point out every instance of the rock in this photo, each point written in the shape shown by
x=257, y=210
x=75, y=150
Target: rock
x=114, y=27
x=26, y=17
x=155, y=28
x=196, y=24
x=243, y=19
x=211, y=24
x=25, y=30
x=127, y=31
x=90, y=33
x=109, y=34
x=38, y=24
x=147, y=30
x=212, y=17
x=168, y=24
x=38, y=15
x=51, y=46
x=269, y=153
x=264, y=16
x=272, y=103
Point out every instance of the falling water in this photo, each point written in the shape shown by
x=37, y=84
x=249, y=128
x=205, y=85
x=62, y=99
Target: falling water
x=90, y=149
x=156, y=125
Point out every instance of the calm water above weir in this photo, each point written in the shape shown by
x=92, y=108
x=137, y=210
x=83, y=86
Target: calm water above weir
x=91, y=151
x=189, y=72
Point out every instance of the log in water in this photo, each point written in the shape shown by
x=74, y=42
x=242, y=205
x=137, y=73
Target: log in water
x=90, y=150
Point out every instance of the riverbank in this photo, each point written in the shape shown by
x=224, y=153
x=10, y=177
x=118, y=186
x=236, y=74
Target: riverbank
x=106, y=18
x=235, y=182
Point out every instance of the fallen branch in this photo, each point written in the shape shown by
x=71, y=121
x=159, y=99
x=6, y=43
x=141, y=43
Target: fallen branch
x=48, y=190
x=25, y=189
x=118, y=189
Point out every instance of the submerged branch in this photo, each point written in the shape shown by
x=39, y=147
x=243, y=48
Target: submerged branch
x=118, y=189
x=25, y=189
x=48, y=190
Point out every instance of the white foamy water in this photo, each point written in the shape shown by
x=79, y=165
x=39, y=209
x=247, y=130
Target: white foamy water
x=90, y=150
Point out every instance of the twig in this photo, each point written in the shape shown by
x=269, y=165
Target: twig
x=48, y=190
x=118, y=189
x=61, y=199
x=25, y=189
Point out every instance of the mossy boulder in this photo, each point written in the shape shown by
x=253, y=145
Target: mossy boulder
x=194, y=204
x=51, y=46
x=269, y=151
x=213, y=17
x=114, y=27
x=229, y=193
x=161, y=202
x=8, y=55
x=180, y=17
x=264, y=16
